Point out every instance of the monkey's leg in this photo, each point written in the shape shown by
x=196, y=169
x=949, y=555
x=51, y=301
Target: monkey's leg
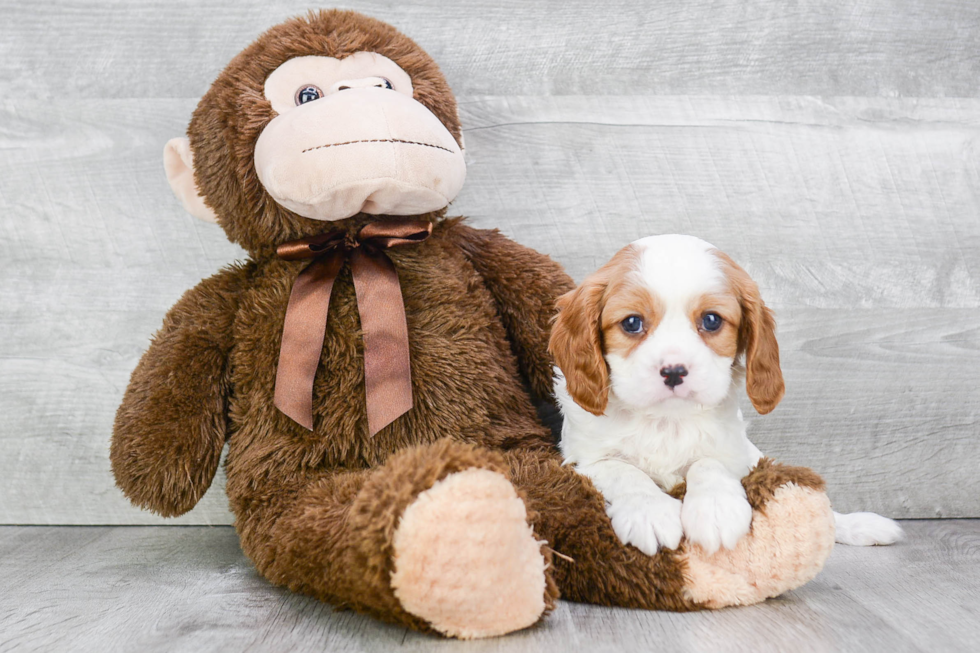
x=436, y=539
x=792, y=535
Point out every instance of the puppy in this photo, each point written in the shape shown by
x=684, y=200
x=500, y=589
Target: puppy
x=649, y=350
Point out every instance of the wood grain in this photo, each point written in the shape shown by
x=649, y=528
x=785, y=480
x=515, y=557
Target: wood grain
x=830, y=202
x=169, y=589
x=831, y=148
x=168, y=49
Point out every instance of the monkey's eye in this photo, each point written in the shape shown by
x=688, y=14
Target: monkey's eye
x=632, y=324
x=711, y=322
x=385, y=83
x=308, y=93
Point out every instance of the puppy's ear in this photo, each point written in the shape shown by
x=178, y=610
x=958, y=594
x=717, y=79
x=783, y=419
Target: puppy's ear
x=763, y=376
x=576, y=345
x=757, y=341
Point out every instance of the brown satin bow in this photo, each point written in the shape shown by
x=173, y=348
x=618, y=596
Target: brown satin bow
x=387, y=375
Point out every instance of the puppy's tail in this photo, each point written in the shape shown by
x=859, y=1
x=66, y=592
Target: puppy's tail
x=866, y=529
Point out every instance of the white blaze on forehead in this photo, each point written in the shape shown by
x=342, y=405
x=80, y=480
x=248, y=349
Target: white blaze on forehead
x=679, y=268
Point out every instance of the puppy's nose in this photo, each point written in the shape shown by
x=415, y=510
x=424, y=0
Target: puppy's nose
x=673, y=375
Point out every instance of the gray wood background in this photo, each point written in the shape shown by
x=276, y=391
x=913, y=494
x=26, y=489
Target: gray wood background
x=833, y=148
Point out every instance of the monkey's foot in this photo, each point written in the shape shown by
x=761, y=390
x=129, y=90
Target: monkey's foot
x=466, y=559
x=789, y=543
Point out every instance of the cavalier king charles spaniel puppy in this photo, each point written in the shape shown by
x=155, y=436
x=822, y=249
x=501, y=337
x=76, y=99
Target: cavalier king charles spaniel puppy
x=651, y=351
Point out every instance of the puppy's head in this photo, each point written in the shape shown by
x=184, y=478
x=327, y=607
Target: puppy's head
x=663, y=323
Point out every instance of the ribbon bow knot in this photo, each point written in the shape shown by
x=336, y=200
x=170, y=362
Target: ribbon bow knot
x=387, y=373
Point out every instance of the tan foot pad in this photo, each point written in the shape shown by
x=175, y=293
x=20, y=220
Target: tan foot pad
x=466, y=559
x=787, y=547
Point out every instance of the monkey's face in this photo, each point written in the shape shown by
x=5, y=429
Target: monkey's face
x=321, y=118
x=348, y=138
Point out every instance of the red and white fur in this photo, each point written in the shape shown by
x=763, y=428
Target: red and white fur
x=650, y=350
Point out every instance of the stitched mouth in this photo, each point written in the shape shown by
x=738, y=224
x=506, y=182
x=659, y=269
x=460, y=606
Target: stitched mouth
x=378, y=140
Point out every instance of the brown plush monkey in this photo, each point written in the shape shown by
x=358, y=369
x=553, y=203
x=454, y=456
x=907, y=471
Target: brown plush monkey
x=427, y=492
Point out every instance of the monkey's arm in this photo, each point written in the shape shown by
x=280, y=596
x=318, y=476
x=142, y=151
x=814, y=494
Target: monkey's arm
x=172, y=424
x=525, y=285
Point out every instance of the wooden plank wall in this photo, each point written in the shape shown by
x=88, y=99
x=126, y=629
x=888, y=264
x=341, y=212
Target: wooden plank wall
x=833, y=148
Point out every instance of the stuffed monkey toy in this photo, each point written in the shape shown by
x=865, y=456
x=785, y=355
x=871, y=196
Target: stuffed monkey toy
x=372, y=366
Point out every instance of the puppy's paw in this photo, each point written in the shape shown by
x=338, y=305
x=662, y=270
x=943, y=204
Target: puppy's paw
x=715, y=519
x=647, y=521
x=866, y=529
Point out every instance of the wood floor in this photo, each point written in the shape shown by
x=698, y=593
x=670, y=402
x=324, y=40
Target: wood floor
x=151, y=589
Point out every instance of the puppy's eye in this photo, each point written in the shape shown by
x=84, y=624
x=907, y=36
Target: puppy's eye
x=632, y=324
x=711, y=322
x=385, y=84
x=308, y=93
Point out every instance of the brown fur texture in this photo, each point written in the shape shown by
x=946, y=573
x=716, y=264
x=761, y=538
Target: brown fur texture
x=317, y=511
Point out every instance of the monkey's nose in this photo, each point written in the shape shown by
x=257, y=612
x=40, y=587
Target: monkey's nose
x=673, y=375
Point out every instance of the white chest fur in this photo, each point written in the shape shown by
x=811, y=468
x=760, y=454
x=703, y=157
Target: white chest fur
x=662, y=442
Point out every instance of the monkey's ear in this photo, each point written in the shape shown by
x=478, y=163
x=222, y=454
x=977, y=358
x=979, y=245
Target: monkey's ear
x=178, y=161
x=462, y=137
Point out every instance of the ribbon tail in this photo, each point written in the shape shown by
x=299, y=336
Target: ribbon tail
x=387, y=372
x=302, y=338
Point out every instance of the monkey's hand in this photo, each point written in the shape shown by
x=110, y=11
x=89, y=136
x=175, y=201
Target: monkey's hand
x=171, y=426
